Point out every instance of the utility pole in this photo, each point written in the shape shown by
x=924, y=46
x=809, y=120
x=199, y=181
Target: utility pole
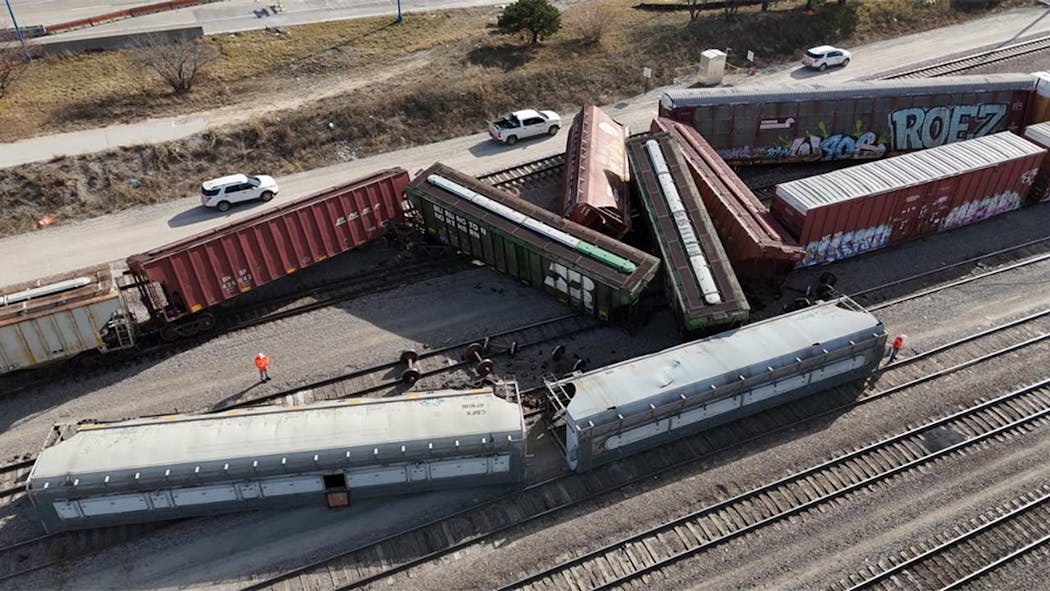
x=18, y=31
x=399, y=18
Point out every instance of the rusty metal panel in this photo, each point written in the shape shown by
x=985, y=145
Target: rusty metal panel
x=856, y=120
x=57, y=317
x=693, y=305
x=854, y=210
x=1040, y=135
x=596, y=174
x=212, y=267
x=758, y=247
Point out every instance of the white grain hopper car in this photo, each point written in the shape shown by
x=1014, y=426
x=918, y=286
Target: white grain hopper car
x=93, y=475
x=58, y=317
x=641, y=403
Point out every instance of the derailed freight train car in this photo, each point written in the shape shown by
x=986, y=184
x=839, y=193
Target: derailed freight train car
x=95, y=475
x=854, y=210
x=587, y=270
x=58, y=317
x=1040, y=135
x=761, y=250
x=702, y=289
x=641, y=403
x=179, y=281
x=856, y=120
x=596, y=194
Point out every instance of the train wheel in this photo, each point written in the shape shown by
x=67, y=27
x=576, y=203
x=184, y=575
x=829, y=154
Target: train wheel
x=169, y=333
x=205, y=322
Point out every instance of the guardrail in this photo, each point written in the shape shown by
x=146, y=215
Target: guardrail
x=121, y=15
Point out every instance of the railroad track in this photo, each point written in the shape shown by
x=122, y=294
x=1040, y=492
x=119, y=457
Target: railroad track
x=26, y=556
x=13, y=476
x=525, y=173
x=476, y=357
x=281, y=307
x=976, y=60
x=964, y=554
x=627, y=560
x=369, y=563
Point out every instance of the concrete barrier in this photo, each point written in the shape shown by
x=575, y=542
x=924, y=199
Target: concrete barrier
x=56, y=45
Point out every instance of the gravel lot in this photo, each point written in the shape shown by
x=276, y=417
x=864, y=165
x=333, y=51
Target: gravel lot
x=928, y=321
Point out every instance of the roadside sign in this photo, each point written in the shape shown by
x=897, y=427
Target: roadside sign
x=647, y=72
x=750, y=56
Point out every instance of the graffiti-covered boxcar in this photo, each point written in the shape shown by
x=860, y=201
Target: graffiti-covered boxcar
x=861, y=208
x=856, y=120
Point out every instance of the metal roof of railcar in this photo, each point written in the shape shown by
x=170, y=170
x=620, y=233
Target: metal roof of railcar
x=907, y=170
x=681, y=272
x=864, y=89
x=100, y=285
x=645, y=263
x=180, y=443
x=652, y=378
x=1039, y=133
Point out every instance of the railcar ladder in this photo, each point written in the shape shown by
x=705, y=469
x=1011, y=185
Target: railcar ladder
x=558, y=398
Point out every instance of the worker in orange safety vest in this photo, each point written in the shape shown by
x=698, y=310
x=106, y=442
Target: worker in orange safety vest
x=898, y=344
x=263, y=363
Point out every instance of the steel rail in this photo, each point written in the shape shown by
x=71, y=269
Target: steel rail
x=952, y=543
x=646, y=476
x=795, y=477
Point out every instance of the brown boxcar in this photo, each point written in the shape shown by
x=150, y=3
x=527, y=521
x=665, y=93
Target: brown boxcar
x=193, y=274
x=701, y=287
x=853, y=210
x=1040, y=134
x=759, y=248
x=857, y=120
x=596, y=174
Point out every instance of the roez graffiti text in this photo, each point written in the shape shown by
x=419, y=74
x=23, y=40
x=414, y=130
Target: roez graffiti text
x=918, y=128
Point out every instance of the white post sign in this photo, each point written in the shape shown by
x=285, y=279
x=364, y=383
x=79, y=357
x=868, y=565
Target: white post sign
x=750, y=56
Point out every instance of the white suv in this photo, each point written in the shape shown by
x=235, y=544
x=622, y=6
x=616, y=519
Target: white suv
x=821, y=57
x=222, y=192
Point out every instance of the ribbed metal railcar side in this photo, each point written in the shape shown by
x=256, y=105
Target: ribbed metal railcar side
x=645, y=402
x=578, y=278
x=850, y=211
x=58, y=317
x=761, y=251
x=196, y=273
x=696, y=310
x=596, y=193
x=330, y=454
x=854, y=120
x=1039, y=134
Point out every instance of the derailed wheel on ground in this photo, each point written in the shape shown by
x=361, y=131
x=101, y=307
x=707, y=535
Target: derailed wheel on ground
x=482, y=366
x=411, y=374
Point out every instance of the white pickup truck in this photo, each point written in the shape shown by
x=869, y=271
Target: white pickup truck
x=522, y=124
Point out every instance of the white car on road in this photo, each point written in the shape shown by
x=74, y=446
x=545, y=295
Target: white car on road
x=522, y=124
x=820, y=58
x=223, y=192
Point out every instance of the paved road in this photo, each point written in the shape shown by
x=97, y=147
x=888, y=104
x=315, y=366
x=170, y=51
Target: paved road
x=58, y=249
x=226, y=16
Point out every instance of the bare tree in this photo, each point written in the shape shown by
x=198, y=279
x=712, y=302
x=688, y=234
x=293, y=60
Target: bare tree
x=13, y=63
x=179, y=63
x=591, y=22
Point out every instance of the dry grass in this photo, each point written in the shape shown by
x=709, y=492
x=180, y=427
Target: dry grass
x=61, y=93
x=475, y=74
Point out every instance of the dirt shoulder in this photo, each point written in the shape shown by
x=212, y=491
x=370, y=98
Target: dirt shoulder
x=412, y=87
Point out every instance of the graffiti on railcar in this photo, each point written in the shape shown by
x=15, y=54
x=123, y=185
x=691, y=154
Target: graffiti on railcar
x=982, y=209
x=819, y=146
x=579, y=288
x=841, y=245
x=919, y=128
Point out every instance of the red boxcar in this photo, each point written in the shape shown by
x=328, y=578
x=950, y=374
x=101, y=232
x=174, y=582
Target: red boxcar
x=596, y=194
x=1040, y=134
x=853, y=210
x=759, y=248
x=856, y=120
x=193, y=274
